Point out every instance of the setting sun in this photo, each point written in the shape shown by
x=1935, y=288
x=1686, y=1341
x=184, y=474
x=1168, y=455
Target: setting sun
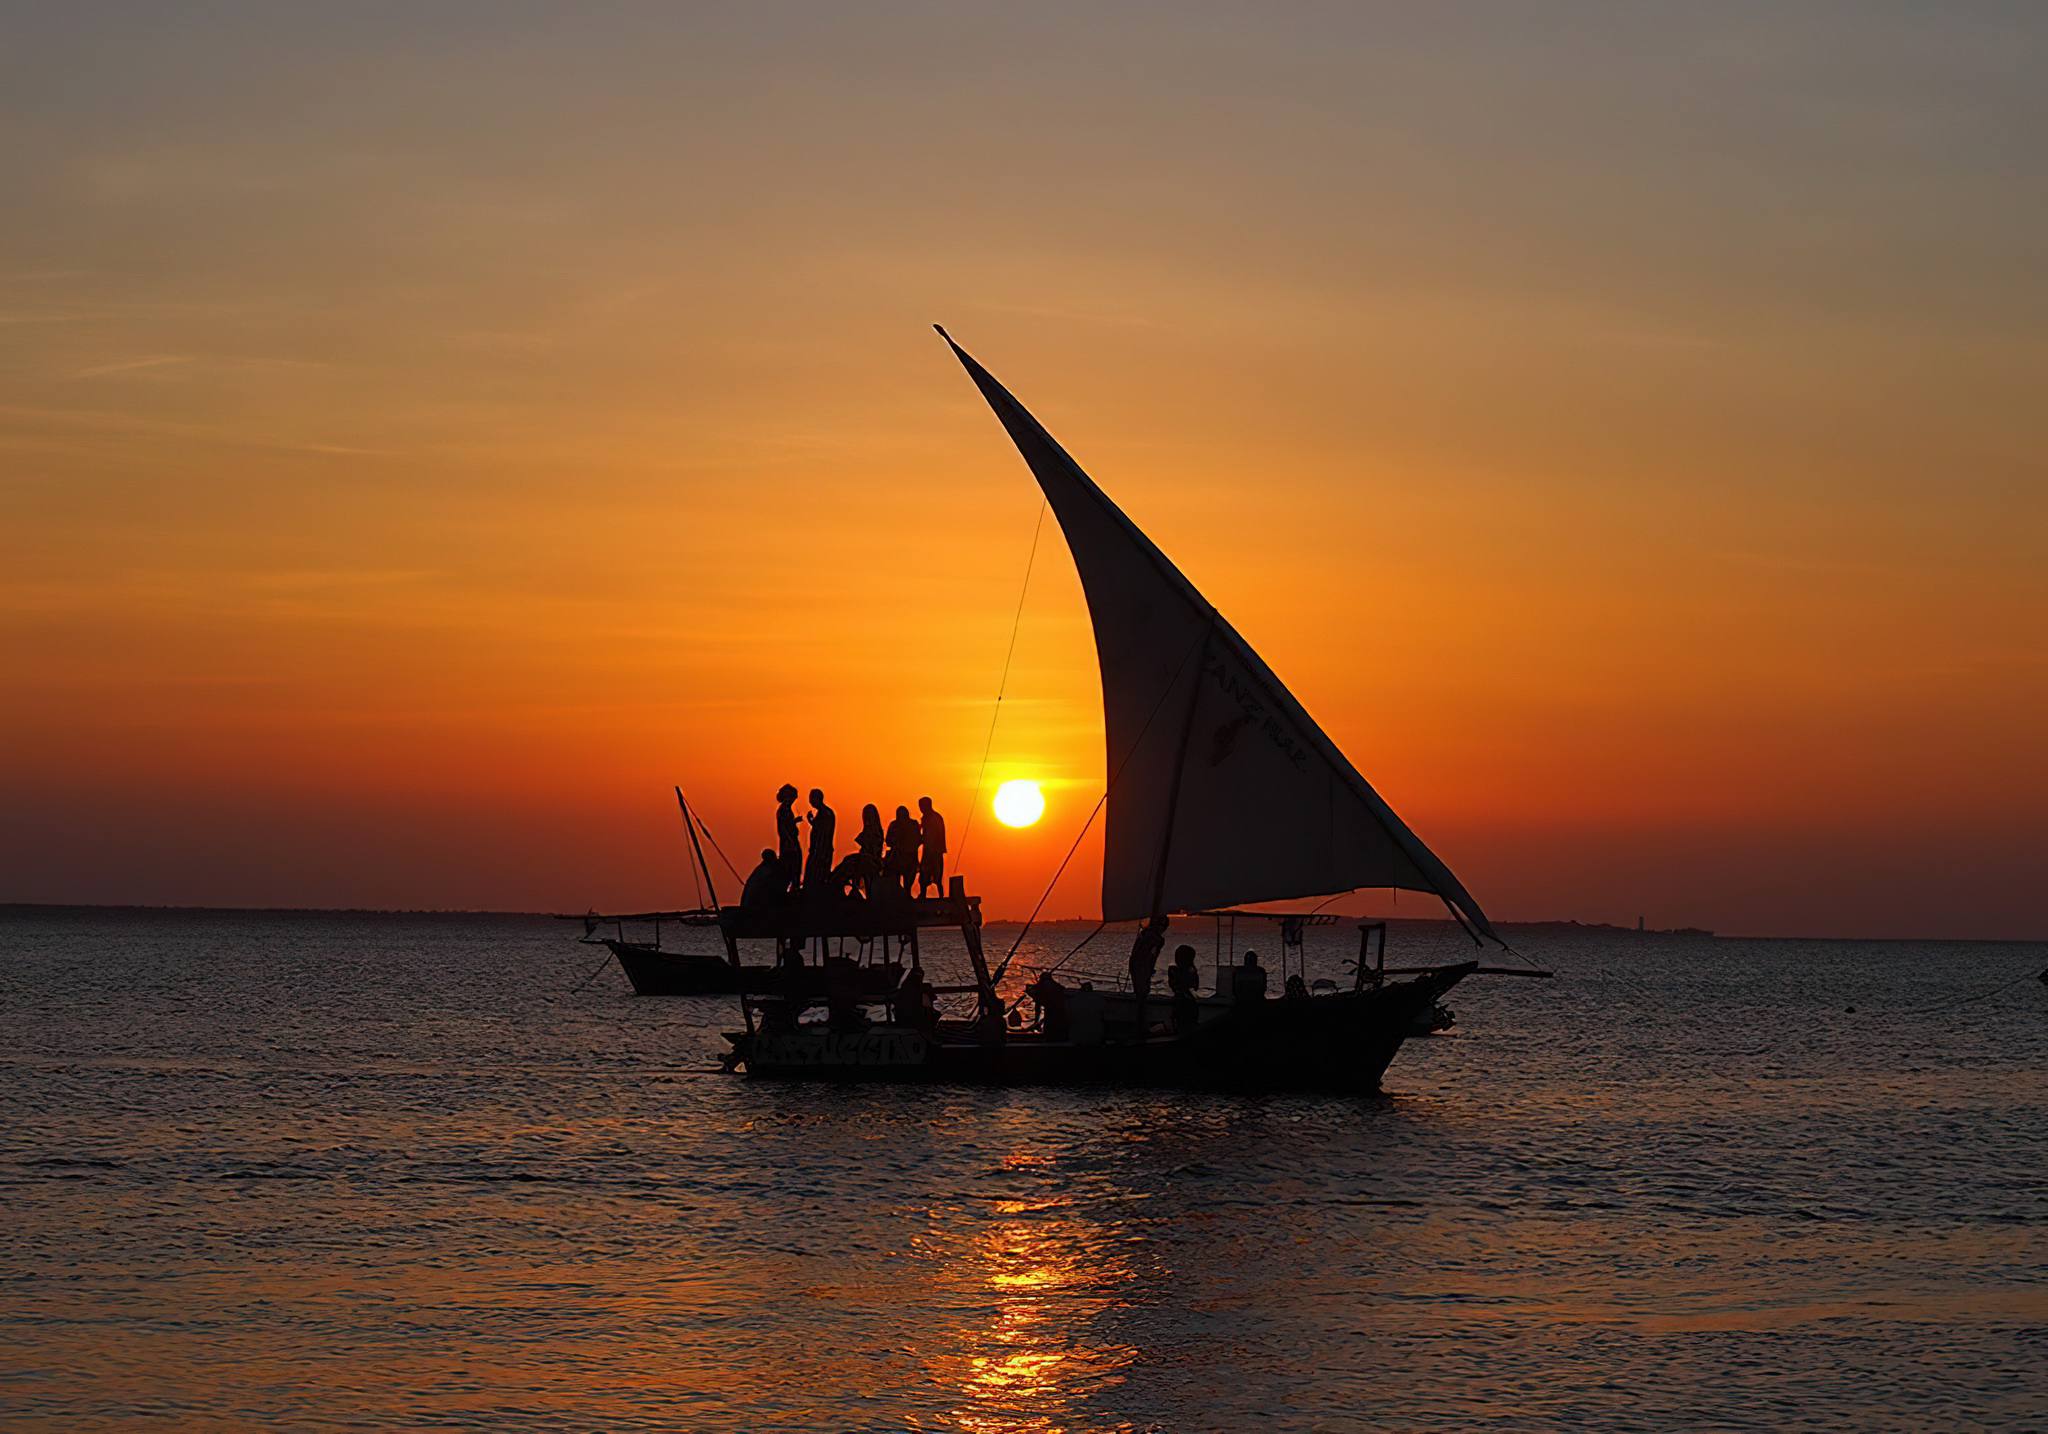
x=1019, y=803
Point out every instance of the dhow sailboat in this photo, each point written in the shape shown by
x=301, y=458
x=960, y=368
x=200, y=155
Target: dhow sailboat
x=1222, y=792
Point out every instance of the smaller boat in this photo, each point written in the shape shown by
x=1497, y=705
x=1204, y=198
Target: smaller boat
x=655, y=970
x=805, y=964
x=843, y=946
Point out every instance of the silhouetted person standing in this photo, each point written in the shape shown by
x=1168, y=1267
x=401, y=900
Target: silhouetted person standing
x=1248, y=982
x=931, y=867
x=818, y=869
x=1183, y=980
x=787, y=840
x=1144, y=961
x=867, y=849
x=903, y=836
x=765, y=884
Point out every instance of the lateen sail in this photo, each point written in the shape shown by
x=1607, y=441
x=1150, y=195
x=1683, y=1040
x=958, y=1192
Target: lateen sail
x=1223, y=791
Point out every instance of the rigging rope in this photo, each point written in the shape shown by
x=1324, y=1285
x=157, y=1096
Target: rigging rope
x=1002, y=686
x=1025, y=930
x=1114, y=777
x=1966, y=1000
x=1048, y=970
x=705, y=827
x=690, y=852
x=593, y=975
x=1532, y=964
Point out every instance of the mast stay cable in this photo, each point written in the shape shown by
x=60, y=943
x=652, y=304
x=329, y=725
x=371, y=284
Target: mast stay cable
x=1002, y=686
x=705, y=827
x=696, y=883
x=1114, y=777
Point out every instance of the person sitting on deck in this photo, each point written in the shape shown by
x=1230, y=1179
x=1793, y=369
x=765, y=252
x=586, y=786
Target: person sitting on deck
x=1051, y=999
x=818, y=868
x=900, y=867
x=765, y=886
x=1248, y=982
x=846, y=876
x=1296, y=988
x=931, y=868
x=917, y=1001
x=790, y=848
x=1183, y=980
x=989, y=1025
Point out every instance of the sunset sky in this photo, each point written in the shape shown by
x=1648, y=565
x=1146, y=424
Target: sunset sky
x=428, y=432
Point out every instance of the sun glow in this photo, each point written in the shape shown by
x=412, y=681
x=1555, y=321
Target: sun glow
x=1019, y=803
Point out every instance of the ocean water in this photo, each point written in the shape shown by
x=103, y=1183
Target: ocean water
x=382, y=1171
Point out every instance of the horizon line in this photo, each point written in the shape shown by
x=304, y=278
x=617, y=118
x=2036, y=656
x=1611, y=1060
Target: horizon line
x=452, y=911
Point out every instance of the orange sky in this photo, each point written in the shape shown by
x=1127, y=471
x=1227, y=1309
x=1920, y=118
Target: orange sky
x=422, y=440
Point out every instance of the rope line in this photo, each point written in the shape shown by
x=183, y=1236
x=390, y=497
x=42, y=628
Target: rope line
x=1002, y=687
x=1979, y=996
x=593, y=975
x=1025, y=930
x=690, y=853
x=705, y=827
x=1048, y=970
x=1114, y=778
x=1530, y=962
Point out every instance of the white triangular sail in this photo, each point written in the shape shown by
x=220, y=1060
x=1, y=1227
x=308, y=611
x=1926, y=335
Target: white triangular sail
x=1223, y=791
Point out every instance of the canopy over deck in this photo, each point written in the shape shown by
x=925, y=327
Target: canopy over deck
x=829, y=916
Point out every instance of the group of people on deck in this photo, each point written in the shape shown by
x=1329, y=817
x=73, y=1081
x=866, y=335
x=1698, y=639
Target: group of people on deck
x=1183, y=981
x=886, y=862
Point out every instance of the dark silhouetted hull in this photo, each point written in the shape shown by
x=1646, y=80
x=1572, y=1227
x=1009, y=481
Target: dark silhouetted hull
x=1340, y=1042
x=674, y=973
x=682, y=973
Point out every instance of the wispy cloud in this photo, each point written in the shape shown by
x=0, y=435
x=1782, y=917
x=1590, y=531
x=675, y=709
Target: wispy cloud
x=97, y=424
x=132, y=365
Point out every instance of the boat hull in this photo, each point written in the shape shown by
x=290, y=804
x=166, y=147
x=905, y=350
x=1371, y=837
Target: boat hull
x=674, y=973
x=1339, y=1042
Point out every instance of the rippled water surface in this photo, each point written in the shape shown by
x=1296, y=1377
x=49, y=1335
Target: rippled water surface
x=391, y=1171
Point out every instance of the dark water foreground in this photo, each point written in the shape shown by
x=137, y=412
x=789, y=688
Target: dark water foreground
x=383, y=1171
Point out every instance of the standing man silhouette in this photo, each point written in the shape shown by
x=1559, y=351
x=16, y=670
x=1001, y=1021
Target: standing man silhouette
x=1144, y=961
x=1184, y=981
x=1248, y=982
x=900, y=865
x=789, y=849
x=868, y=851
x=818, y=869
x=931, y=869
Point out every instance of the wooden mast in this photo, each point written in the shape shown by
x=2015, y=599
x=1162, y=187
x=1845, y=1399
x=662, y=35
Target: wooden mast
x=732, y=947
x=690, y=826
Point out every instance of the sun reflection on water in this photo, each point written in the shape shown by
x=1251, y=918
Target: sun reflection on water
x=1033, y=1284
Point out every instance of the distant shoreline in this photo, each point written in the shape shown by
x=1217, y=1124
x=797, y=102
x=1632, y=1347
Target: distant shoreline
x=1064, y=923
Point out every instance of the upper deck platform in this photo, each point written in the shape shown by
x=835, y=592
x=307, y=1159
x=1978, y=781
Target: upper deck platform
x=861, y=918
x=813, y=916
